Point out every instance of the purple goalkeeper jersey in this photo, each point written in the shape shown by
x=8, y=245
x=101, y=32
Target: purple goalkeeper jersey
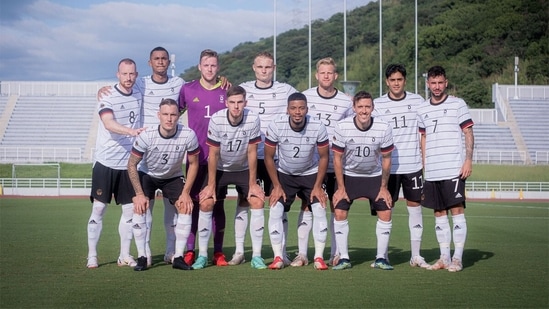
x=200, y=104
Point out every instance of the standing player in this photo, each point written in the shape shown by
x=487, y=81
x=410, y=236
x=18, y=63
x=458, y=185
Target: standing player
x=201, y=99
x=120, y=114
x=163, y=149
x=399, y=108
x=442, y=119
x=302, y=144
x=329, y=105
x=233, y=135
x=362, y=148
x=268, y=99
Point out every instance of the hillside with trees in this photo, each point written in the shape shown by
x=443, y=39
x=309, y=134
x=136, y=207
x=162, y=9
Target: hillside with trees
x=475, y=40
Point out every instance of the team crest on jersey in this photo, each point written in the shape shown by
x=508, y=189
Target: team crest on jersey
x=445, y=111
x=274, y=95
x=373, y=139
x=334, y=138
x=244, y=133
x=307, y=139
x=409, y=106
x=172, y=90
x=222, y=99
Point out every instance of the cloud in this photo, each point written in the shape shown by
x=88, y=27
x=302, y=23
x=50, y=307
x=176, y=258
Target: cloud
x=47, y=40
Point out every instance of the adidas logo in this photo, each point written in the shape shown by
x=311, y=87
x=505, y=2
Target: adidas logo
x=136, y=226
x=275, y=233
x=155, y=148
x=302, y=224
x=129, y=221
x=239, y=218
x=457, y=227
x=251, y=96
x=151, y=92
x=459, y=195
x=438, y=228
x=284, y=220
x=196, y=100
x=388, y=111
x=324, y=230
x=386, y=233
x=92, y=222
x=260, y=229
x=338, y=233
x=203, y=230
x=417, y=226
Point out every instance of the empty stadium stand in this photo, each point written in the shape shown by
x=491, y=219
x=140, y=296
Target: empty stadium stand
x=530, y=116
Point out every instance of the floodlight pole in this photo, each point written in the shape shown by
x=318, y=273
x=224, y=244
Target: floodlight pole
x=425, y=76
x=172, y=61
x=516, y=76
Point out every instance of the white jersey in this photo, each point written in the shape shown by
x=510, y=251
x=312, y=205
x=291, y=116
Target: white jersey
x=362, y=149
x=269, y=103
x=402, y=117
x=233, y=140
x=329, y=110
x=154, y=92
x=111, y=149
x=163, y=156
x=297, y=150
x=442, y=125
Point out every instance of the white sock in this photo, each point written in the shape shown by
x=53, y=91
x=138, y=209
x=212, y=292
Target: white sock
x=333, y=246
x=341, y=231
x=383, y=233
x=415, y=224
x=182, y=231
x=320, y=229
x=170, y=220
x=125, y=229
x=95, y=225
x=460, y=234
x=276, y=228
x=204, y=231
x=285, y=234
x=240, y=226
x=139, y=229
x=304, y=226
x=257, y=226
x=444, y=235
x=149, y=221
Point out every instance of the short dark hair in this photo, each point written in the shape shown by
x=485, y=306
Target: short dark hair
x=435, y=71
x=168, y=101
x=297, y=96
x=236, y=90
x=393, y=68
x=159, y=48
x=208, y=53
x=361, y=95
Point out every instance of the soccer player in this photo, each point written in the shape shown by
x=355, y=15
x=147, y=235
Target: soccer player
x=329, y=105
x=155, y=87
x=362, y=147
x=268, y=99
x=120, y=114
x=201, y=99
x=302, y=146
x=162, y=149
x=233, y=136
x=399, y=108
x=448, y=161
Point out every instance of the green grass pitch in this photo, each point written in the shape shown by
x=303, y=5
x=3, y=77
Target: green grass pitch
x=43, y=248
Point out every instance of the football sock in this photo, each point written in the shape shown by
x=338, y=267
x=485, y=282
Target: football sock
x=219, y=221
x=444, y=235
x=148, y=221
x=139, y=229
x=125, y=229
x=240, y=226
x=276, y=228
x=192, y=236
x=95, y=225
x=304, y=226
x=460, y=234
x=333, y=247
x=341, y=231
x=257, y=225
x=415, y=224
x=182, y=231
x=170, y=220
x=383, y=233
x=204, y=231
x=320, y=229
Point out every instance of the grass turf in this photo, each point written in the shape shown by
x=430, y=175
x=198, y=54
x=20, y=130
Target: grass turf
x=43, y=251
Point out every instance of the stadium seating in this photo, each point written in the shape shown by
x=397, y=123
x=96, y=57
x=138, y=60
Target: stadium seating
x=532, y=122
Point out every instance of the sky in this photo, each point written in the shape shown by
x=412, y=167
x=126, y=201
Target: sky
x=68, y=40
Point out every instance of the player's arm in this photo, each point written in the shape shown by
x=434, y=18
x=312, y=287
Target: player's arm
x=340, y=193
x=385, y=172
x=209, y=189
x=107, y=117
x=467, y=167
x=277, y=191
x=318, y=192
x=140, y=201
x=255, y=189
x=184, y=203
x=422, y=147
